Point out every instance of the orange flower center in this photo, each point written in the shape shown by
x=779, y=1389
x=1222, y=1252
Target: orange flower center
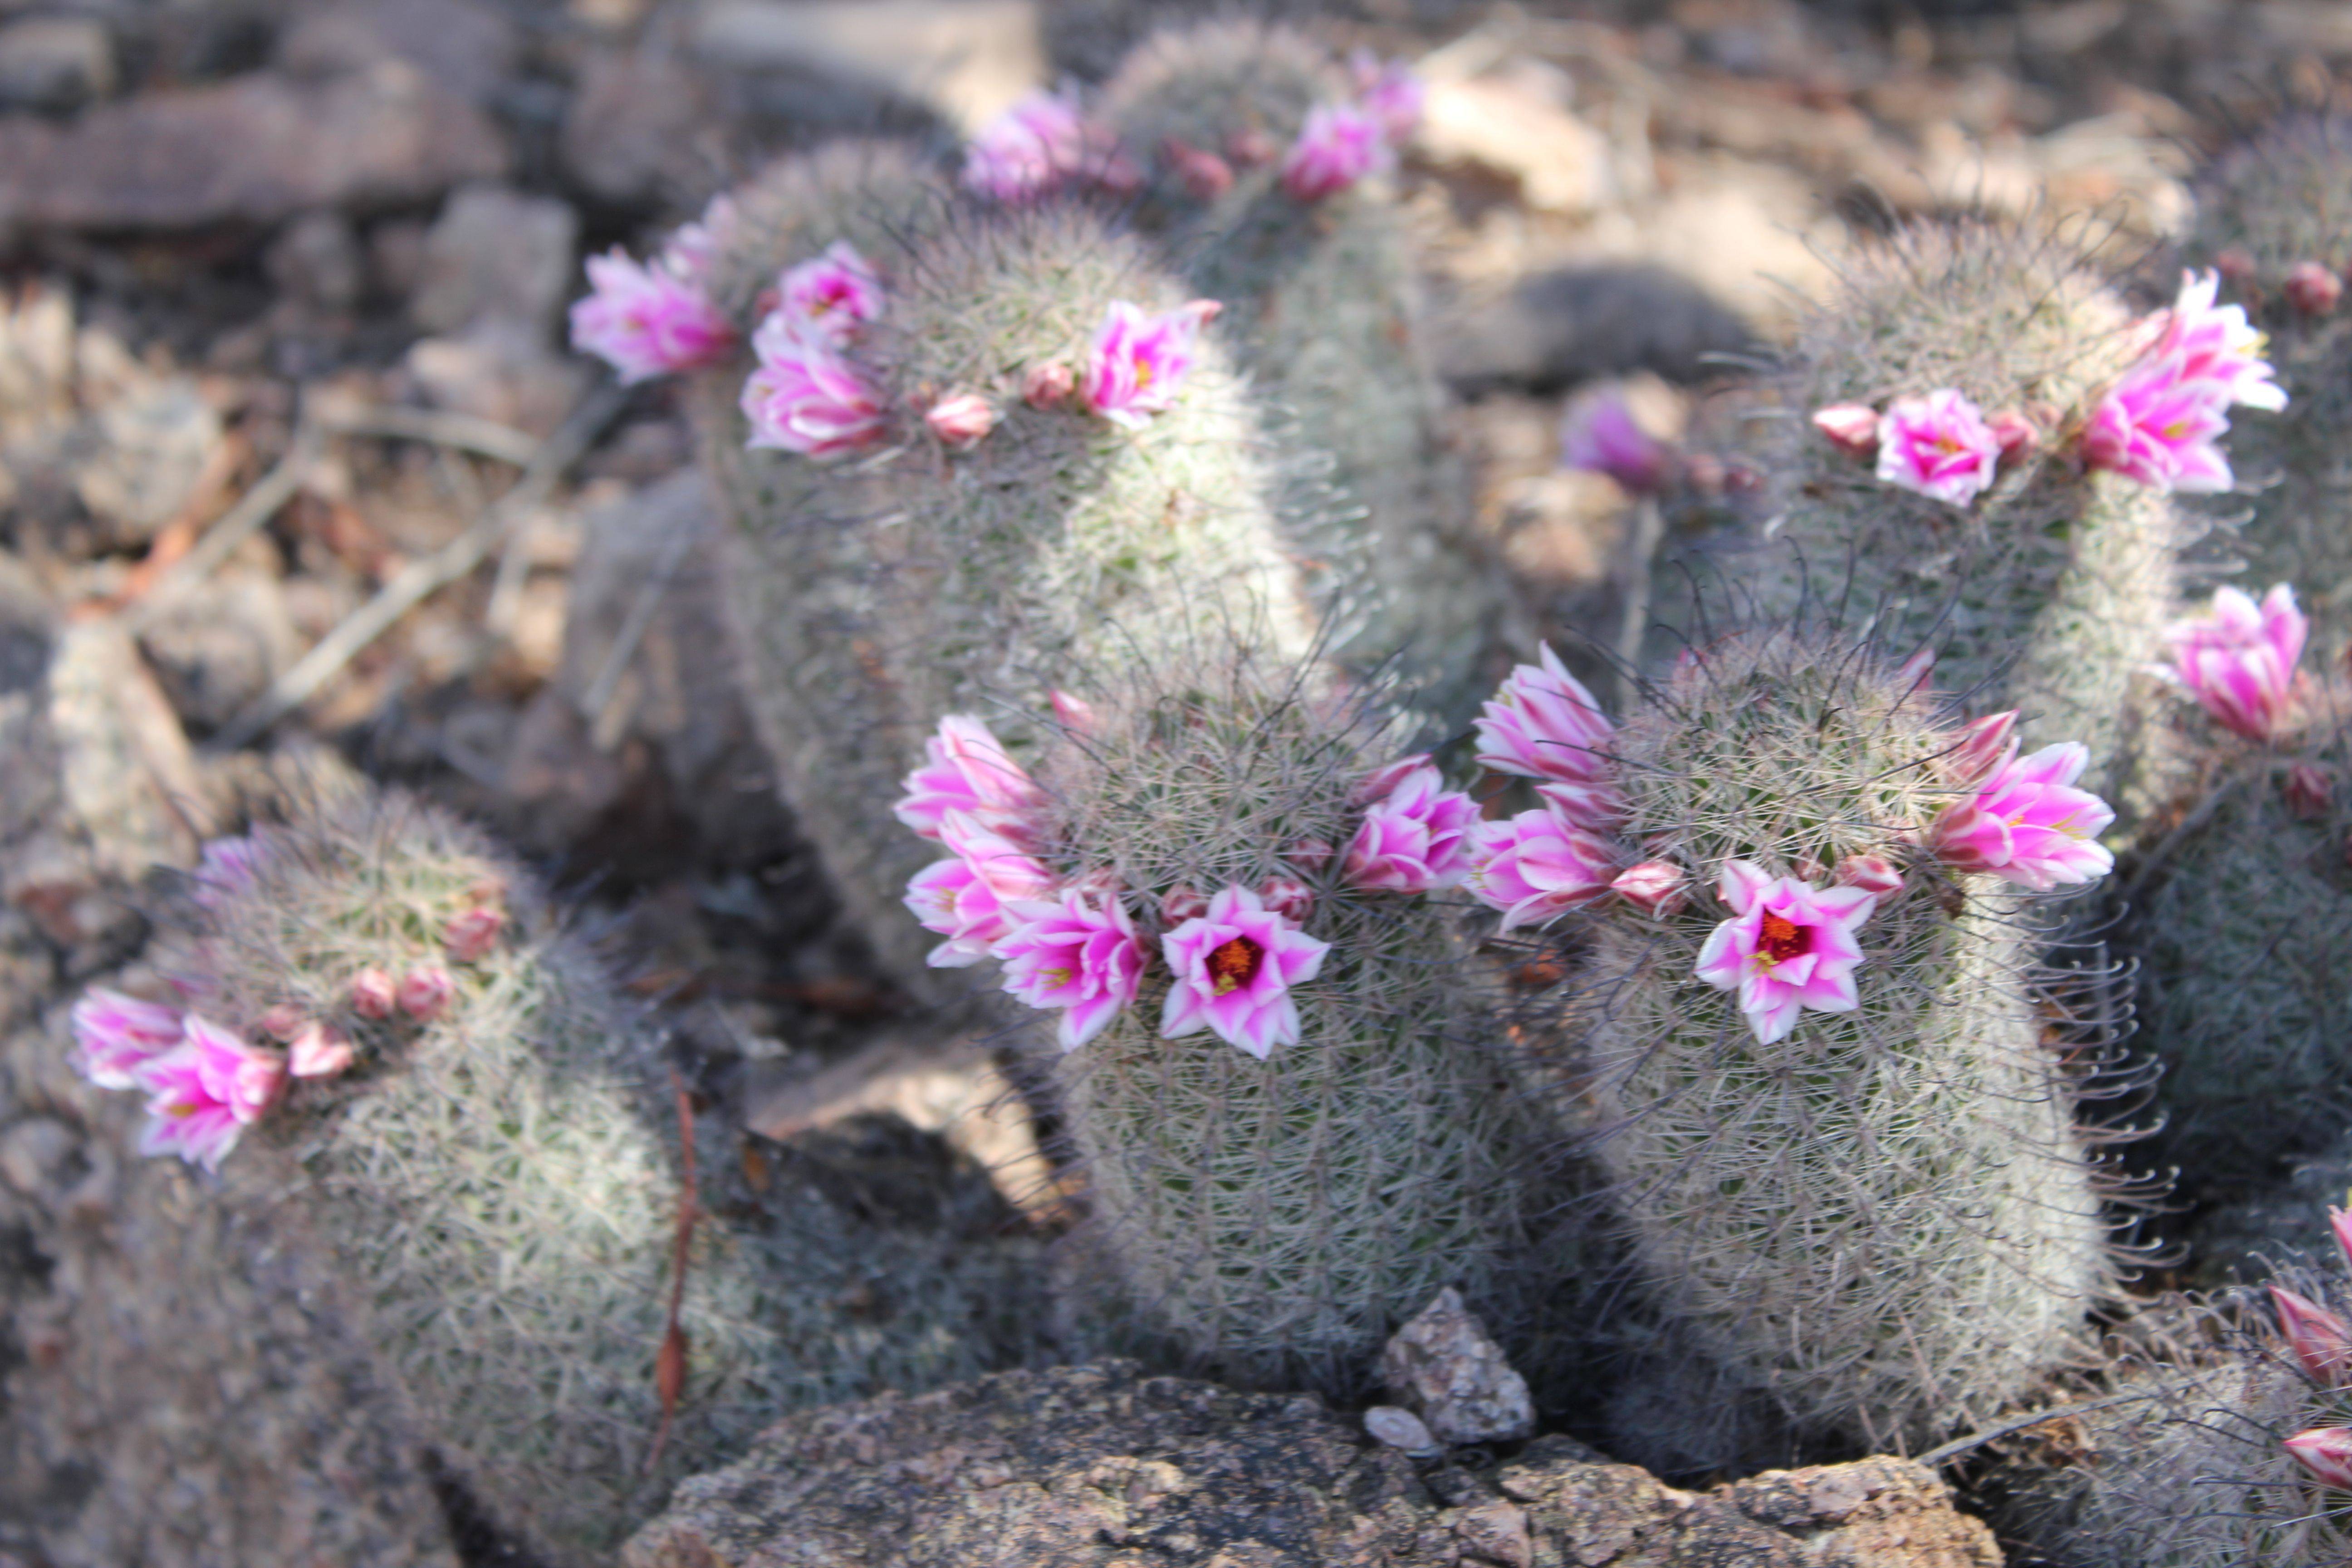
x=1783, y=939
x=1234, y=964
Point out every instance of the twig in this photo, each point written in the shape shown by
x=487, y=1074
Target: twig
x=599, y=695
x=1649, y=526
x=669, y=1365
x=1958, y=1446
x=421, y=579
x=484, y=437
x=232, y=528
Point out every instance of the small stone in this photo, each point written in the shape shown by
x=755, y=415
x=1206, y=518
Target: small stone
x=55, y=63
x=216, y=646
x=496, y=255
x=635, y=131
x=317, y=261
x=1443, y=1366
x=467, y=48
x=34, y=1151
x=146, y=456
x=1399, y=1428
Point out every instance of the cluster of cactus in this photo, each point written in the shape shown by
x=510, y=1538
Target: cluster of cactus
x=1840, y=1150
x=490, y=1138
x=2221, y=1438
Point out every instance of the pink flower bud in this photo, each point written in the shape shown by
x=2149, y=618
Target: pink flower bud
x=2236, y=264
x=1251, y=148
x=2320, y=1339
x=282, y=1022
x=321, y=1052
x=2016, y=433
x=1310, y=853
x=1653, y=887
x=1982, y=747
x=1287, y=897
x=2313, y=288
x=1072, y=713
x=472, y=934
x=1205, y=176
x=2340, y=1222
x=961, y=421
x=2327, y=1453
x=1918, y=670
x=1852, y=427
x=425, y=991
x=2310, y=792
x=372, y=995
x=1382, y=781
x=1045, y=385
x=1872, y=873
x=1182, y=903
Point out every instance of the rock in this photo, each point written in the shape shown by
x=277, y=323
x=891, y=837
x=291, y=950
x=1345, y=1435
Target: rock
x=467, y=50
x=1506, y=128
x=501, y=370
x=967, y=59
x=316, y=263
x=1559, y=328
x=1444, y=1368
x=1400, y=1428
x=635, y=129
x=1106, y=1467
x=256, y=150
x=34, y=1154
x=142, y=458
x=496, y=255
x=55, y=63
x=216, y=646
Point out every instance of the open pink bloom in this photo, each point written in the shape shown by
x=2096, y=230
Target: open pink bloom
x=1600, y=437
x=1852, y=427
x=2321, y=1341
x=1138, y=362
x=967, y=899
x=205, y=1092
x=1414, y=840
x=967, y=769
x=2327, y=1453
x=374, y=994
x=226, y=867
x=689, y=253
x=1382, y=780
x=832, y=297
x=426, y=991
x=1035, y=145
x=1544, y=724
x=1338, y=146
x=2239, y=659
x=646, y=321
x=1595, y=808
x=115, y=1035
x=1389, y=92
x=1234, y=968
x=2029, y=825
x=1787, y=947
x=961, y=421
x=1535, y=867
x=805, y=397
x=470, y=935
x=2160, y=429
x=1081, y=955
x=1939, y=446
x=2219, y=351
x=1653, y=887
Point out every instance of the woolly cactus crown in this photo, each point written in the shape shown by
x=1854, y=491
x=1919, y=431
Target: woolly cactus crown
x=2281, y=197
x=1209, y=85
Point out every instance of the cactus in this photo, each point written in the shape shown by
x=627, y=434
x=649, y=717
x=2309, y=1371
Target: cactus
x=1326, y=307
x=489, y=1137
x=928, y=577
x=2053, y=588
x=1883, y=1221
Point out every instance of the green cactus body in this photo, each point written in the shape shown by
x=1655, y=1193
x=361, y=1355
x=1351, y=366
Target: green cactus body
x=2284, y=198
x=501, y=1180
x=1884, y=1223
x=2053, y=588
x=1274, y=1221
x=1326, y=306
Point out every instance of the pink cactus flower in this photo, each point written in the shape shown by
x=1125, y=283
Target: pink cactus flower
x=646, y=321
x=1654, y=887
x=1535, y=867
x=2159, y=429
x=2239, y=659
x=968, y=899
x=320, y=1050
x=961, y=421
x=1234, y=966
x=373, y=994
x=2321, y=1341
x=282, y=1022
x=1874, y=874
x=2327, y=1453
x=1544, y=724
x=1047, y=386
x=1391, y=94
x=1983, y=746
x=205, y=1092
x=831, y=297
x=2218, y=350
x=1415, y=840
x=226, y=867
x=1600, y=437
x=1382, y=782
x=967, y=769
x=115, y=1035
x=471, y=935
x=1036, y=145
x=2313, y=288
x=1075, y=714
x=2310, y=792
x=1138, y=362
x=805, y=397
x=1595, y=808
x=426, y=991
x=1338, y=146
x=1852, y=427
x=1081, y=954
x=1939, y=446
x=1204, y=174
x=2029, y=825
x=2339, y=1221
x=1787, y=947
x=689, y=253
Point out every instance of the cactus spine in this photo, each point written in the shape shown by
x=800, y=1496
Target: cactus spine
x=1326, y=311
x=2053, y=587
x=500, y=1177
x=1884, y=1223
